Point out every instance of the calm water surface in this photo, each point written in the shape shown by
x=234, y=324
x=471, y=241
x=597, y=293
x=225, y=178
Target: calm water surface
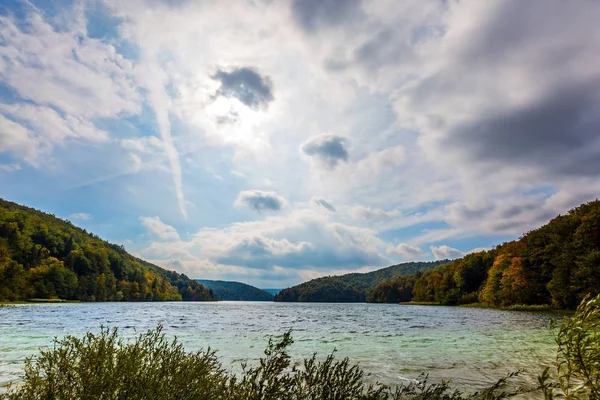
x=471, y=346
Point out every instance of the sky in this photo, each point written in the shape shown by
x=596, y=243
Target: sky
x=272, y=142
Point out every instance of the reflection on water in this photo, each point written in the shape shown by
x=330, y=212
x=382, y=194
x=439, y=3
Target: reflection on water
x=471, y=346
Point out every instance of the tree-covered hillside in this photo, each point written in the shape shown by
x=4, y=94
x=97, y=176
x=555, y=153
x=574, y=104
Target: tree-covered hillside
x=42, y=256
x=557, y=264
x=237, y=291
x=350, y=287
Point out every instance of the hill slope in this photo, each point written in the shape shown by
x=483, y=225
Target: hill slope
x=349, y=288
x=42, y=256
x=272, y=290
x=237, y=291
x=557, y=264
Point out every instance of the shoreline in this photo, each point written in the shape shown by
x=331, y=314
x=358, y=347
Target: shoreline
x=515, y=307
x=30, y=301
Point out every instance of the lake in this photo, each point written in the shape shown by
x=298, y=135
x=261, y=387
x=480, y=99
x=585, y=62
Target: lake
x=471, y=346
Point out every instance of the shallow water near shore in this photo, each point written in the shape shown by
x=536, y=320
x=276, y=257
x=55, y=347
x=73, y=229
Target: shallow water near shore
x=473, y=347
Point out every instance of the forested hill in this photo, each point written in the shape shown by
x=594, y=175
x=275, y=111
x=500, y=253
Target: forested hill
x=350, y=287
x=45, y=257
x=557, y=264
x=226, y=290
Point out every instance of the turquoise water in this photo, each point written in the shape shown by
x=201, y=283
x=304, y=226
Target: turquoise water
x=471, y=346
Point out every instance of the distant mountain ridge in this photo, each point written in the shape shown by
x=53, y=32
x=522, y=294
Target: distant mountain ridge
x=350, y=288
x=235, y=291
x=272, y=291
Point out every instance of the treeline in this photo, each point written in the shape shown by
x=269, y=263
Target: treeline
x=45, y=257
x=349, y=288
x=235, y=291
x=557, y=264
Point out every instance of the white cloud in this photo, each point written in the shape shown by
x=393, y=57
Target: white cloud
x=303, y=239
x=64, y=69
x=406, y=250
x=81, y=216
x=446, y=252
x=34, y=130
x=155, y=226
x=17, y=139
x=373, y=214
x=10, y=167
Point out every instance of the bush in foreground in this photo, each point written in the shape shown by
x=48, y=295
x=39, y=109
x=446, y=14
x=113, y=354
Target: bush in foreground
x=104, y=366
x=578, y=356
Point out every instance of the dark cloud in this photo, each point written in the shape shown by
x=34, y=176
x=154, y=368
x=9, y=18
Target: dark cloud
x=515, y=210
x=560, y=134
x=246, y=85
x=260, y=201
x=513, y=98
x=323, y=203
x=329, y=149
x=260, y=253
x=314, y=14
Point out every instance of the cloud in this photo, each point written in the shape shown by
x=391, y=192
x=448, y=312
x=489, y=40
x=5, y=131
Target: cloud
x=301, y=240
x=155, y=78
x=327, y=148
x=81, y=216
x=146, y=145
x=456, y=119
x=19, y=140
x=444, y=252
x=535, y=121
x=171, y=249
x=407, y=251
x=373, y=214
x=246, y=85
x=260, y=200
x=314, y=14
x=155, y=226
x=63, y=68
x=321, y=202
x=387, y=160
x=34, y=130
x=558, y=134
x=10, y=167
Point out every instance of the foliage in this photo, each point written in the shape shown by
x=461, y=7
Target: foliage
x=45, y=257
x=224, y=290
x=393, y=291
x=349, y=288
x=557, y=265
x=103, y=366
x=578, y=356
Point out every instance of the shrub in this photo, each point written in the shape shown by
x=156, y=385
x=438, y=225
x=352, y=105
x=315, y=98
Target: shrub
x=104, y=366
x=578, y=356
